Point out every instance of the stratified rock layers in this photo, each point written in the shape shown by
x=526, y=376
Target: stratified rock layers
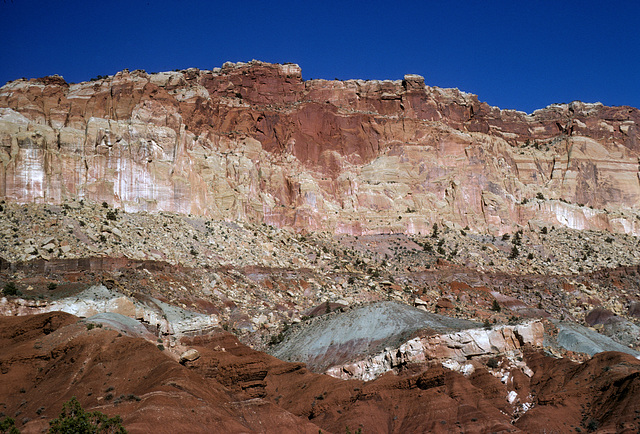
x=254, y=141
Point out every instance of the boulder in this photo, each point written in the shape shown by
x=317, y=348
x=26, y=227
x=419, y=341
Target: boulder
x=189, y=356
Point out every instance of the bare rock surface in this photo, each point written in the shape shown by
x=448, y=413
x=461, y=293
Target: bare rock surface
x=574, y=337
x=163, y=318
x=255, y=142
x=335, y=338
x=122, y=324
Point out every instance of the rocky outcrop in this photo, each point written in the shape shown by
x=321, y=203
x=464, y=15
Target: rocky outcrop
x=367, y=341
x=256, y=142
x=453, y=350
x=360, y=331
x=574, y=337
x=161, y=317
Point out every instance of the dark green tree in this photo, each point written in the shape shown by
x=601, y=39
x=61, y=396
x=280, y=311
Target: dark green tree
x=496, y=306
x=74, y=419
x=514, y=252
x=8, y=426
x=10, y=289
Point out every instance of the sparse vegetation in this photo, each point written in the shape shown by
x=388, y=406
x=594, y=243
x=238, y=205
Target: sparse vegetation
x=74, y=419
x=514, y=252
x=8, y=426
x=10, y=289
x=493, y=363
x=496, y=306
x=276, y=339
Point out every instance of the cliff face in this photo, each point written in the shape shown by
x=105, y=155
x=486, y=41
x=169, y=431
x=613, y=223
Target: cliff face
x=254, y=141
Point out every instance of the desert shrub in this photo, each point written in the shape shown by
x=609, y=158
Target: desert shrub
x=517, y=239
x=111, y=215
x=74, y=419
x=514, y=252
x=276, y=339
x=10, y=289
x=8, y=426
x=52, y=286
x=592, y=425
x=496, y=306
x=492, y=363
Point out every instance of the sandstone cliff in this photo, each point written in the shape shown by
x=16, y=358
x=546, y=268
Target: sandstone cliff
x=255, y=141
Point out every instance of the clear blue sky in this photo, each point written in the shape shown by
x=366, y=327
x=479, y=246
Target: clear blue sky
x=512, y=54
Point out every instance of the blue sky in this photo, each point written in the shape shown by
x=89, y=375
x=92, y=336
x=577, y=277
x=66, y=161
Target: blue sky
x=512, y=54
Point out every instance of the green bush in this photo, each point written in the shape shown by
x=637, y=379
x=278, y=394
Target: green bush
x=493, y=363
x=514, y=253
x=8, y=426
x=496, y=306
x=10, y=289
x=74, y=419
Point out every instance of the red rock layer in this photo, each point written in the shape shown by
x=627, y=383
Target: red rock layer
x=256, y=141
